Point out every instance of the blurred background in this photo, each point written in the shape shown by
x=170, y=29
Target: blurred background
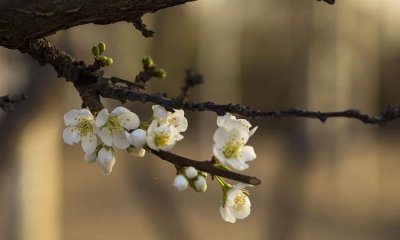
x=338, y=180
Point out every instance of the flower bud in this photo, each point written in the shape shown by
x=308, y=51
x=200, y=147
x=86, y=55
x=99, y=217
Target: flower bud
x=161, y=73
x=108, y=61
x=180, y=183
x=137, y=138
x=95, y=51
x=190, y=172
x=102, y=47
x=200, y=184
x=106, y=160
x=147, y=61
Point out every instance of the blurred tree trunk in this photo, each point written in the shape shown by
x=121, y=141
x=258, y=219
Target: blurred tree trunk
x=219, y=43
x=287, y=202
x=344, y=63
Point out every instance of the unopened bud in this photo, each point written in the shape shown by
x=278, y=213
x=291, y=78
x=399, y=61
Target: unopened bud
x=95, y=51
x=161, y=73
x=102, y=47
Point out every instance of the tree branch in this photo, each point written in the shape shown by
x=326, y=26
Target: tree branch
x=27, y=20
x=205, y=166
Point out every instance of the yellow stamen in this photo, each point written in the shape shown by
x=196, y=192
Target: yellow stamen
x=84, y=127
x=114, y=124
x=240, y=200
x=161, y=139
x=231, y=150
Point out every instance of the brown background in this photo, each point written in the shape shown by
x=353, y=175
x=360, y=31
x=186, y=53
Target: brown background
x=337, y=180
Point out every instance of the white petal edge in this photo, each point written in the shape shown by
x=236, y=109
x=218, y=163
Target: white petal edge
x=89, y=143
x=102, y=117
x=105, y=136
x=120, y=140
x=71, y=136
x=129, y=120
x=227, y=215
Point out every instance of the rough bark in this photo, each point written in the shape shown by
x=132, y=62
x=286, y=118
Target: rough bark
x=22, y=20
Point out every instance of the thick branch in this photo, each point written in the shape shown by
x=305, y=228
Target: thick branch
x=205, y=166
x=26, y=19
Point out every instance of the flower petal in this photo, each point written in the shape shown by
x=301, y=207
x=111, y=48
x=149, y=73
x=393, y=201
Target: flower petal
x=105, y=136
x=244, y=211
x=119, y=110
x=159, y=112
x=120, y=140
x=227, y=215
x=252, y=131
x=248, y=154
x=221, y=136
x=129, y=120
x=89, y=143
x=102, y=117
x=85, y=113
x=237, y=164
x=70, y=118
x=71, y=135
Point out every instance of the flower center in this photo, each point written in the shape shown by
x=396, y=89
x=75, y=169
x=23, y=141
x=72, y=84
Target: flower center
x=239, y=201
x=161, y=139
x=231, y=149
x=114, y=124
x=84, y=127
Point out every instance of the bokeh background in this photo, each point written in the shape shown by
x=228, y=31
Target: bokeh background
x=338, y=180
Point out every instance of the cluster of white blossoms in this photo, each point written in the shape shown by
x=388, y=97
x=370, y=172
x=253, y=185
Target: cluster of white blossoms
x=231, y=151
x=99, y=134
x=122, y=129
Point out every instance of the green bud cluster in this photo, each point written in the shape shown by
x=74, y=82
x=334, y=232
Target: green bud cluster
x=148, y=64
x=97, y=52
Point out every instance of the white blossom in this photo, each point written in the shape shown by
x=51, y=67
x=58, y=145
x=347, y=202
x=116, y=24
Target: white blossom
x=190, y=172
x=228, y=121
x=113, y=126
x=180, y=183
x=160, y=113
x=176, y=119
x=137, y=138
x=229, y=147
x=80, y=128
x=237, y=204
x=106, y=160
x=161, y=137
x=200, y=184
